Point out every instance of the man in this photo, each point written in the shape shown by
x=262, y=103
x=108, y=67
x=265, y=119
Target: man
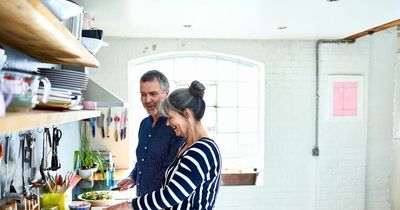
x=158, y=145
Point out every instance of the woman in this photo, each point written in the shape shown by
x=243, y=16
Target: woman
x=192, y=181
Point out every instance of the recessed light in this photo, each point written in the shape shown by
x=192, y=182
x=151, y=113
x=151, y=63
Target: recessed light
x=187, y=26
x=331, y=0
x=281, y=27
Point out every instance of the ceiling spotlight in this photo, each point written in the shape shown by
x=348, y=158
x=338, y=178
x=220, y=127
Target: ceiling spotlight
x=187, y=26
x=331, y=0
x=281, y=27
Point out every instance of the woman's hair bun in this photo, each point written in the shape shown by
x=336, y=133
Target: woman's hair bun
x=196, y=89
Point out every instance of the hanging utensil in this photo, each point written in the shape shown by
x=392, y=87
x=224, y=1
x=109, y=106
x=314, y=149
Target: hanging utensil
x=122, y=124
x=125, y=123
x=116, y=120
x=109, y=120
x=6, y=150
x=100, y=124
x=93, y=127
x=43, y=162
x=57, y=134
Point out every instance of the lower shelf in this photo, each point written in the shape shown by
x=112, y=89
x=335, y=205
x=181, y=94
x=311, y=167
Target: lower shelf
x=37, y=118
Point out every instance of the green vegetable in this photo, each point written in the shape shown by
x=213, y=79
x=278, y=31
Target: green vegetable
x=94, y=196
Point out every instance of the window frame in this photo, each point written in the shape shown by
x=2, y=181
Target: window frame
x=134, y=78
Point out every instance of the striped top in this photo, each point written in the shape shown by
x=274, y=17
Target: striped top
x=192, y=181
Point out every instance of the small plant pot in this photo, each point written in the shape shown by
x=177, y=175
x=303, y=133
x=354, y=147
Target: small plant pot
x=85, y=173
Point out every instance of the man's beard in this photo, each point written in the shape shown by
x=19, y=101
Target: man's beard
x=153, y=112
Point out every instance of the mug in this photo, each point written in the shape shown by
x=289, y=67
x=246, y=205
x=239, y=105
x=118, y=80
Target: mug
x=25, y=87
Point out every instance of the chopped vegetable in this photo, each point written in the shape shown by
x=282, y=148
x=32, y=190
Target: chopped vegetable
x=97, y=195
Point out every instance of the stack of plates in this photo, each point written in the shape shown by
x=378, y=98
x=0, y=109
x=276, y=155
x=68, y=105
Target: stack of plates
x=66, y=88
x=65, y=79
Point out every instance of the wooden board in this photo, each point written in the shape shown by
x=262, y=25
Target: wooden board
x=28, y=26
x=17, y=121
x=373, y=30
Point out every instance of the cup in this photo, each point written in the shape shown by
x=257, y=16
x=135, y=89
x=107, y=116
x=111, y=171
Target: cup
x=25, y=87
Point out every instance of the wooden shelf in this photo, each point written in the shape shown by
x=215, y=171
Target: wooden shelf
x=28, y=26
x=16, y=121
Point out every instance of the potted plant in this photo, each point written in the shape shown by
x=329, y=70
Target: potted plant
x=89, y=160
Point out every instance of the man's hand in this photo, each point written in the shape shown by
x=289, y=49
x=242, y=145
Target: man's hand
x=125, y=183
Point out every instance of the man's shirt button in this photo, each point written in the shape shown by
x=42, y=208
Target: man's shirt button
x=142, y=159
x=145, y=147
x=140, y=172
x=149, y=135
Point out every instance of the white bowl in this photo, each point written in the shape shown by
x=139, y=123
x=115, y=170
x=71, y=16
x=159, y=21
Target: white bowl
x=85, y=173
x=92, y=44
x=63, y=9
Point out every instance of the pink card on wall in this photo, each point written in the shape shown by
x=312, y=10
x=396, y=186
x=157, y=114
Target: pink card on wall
x=345, y=98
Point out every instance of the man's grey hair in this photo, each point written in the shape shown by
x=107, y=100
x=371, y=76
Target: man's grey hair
x=155, y=74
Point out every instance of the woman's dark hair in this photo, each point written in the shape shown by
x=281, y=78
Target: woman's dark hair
x=160, y=77
x=191, y=98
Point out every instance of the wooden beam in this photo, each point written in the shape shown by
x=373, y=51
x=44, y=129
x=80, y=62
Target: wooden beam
x=374, y=30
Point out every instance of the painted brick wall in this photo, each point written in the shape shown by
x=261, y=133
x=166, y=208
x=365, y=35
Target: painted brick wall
x=293, y=178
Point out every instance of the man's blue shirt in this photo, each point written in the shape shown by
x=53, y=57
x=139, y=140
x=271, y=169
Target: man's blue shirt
x=156, y=150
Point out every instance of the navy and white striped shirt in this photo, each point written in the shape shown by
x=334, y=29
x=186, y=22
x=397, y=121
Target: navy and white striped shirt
x=192, y=181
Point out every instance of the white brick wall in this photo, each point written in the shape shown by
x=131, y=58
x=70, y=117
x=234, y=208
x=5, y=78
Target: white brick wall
x=293, y=178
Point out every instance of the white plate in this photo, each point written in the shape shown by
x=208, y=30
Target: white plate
x=62, y=72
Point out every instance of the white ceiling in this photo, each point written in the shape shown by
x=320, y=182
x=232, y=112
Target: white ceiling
x=240, y=19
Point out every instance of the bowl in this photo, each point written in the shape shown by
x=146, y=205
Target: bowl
x=79, y=205
x=97, y=202
x=63, y=9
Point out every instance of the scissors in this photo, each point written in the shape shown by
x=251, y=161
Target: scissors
x=57, y=134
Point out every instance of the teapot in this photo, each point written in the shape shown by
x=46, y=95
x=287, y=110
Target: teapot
x=4, y=104
x=24, y=85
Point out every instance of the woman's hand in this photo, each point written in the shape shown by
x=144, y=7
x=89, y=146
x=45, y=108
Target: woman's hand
x=125, y=183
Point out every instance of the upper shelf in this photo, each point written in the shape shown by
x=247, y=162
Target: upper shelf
x=37, y=118
x=28, y=26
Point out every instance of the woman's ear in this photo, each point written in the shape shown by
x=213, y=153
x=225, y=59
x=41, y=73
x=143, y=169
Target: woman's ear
x=186, y=113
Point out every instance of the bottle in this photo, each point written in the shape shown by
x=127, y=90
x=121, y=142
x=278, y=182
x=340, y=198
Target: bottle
x=110, y=169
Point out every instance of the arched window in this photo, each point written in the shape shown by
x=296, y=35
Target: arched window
x=234, y=97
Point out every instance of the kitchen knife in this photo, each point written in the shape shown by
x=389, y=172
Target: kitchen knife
x=100, y=124
x=109, y=120
x=117, y=120
x=122, y=124
x=116, y=189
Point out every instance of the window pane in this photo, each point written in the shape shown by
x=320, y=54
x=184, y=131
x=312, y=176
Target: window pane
x=184, y=68
x=164, y=65
x=248, y=144
x=210, y=95
x=227, y=119
x=248, y=72
x=140, y=69
x=226, y=70
x=248, y=119
x=248, y=94
x=206, y=69
x=210, y=119
x=227, y=96
x=227, y=144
